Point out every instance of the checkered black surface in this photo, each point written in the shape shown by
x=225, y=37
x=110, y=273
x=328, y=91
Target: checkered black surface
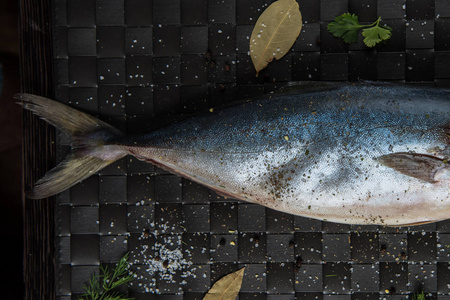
x=136, y=63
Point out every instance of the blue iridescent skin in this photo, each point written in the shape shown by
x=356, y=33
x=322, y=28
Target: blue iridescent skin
x=357, y=154
x=317, y=153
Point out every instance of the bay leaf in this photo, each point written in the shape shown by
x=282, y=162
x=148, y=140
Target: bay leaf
x=227, y=288
x=275, y=32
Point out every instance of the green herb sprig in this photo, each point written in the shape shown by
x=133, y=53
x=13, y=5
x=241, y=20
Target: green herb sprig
x=347, y=26
x=104, y=286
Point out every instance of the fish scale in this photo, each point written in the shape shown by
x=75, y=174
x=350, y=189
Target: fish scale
x=358, y=154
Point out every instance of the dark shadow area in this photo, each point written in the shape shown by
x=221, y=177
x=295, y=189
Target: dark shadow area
x=11, y=220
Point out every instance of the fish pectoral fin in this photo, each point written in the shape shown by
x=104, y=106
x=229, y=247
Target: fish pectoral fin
x=420, y=166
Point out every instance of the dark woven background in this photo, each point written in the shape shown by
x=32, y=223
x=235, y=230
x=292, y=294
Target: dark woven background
x=137, y=62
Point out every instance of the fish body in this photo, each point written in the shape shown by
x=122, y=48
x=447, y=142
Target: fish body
x=357, y=154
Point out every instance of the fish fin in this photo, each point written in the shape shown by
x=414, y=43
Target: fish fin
x=63, y=117
x=90, y=138
x=65, y=175
x=420, y=166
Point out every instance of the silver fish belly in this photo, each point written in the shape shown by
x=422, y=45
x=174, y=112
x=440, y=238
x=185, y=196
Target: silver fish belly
x=357, y=154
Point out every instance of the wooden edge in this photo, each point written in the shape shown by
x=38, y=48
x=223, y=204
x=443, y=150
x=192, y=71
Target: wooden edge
x=36, y=76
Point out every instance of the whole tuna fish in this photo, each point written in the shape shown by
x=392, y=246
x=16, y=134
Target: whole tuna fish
x=358, y=154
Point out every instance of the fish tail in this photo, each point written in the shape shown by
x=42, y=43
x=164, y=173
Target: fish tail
x=92, y=149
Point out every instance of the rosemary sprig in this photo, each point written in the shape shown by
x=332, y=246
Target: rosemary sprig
x=103, y=286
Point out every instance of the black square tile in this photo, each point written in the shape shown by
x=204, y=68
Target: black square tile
x=251, y=217
x=279, y=222
x=249, y=11
x=366, y=10
x=388, y=9
x=110, y=12
x=252, y=247
x=198, y=281
x=245, y=71
x=336, y=277
x=82, y=71
x=196, y=247
x=113, y=219
x=84, y=220
x=81, y=13
x=111, y=71
x=306, y=224
x=80, y=277
x=60, y=43
x=442, y=34
x=422, y=277
x=364, y=247
x=442, y=8
x=84, y=249
x=393, y=277
x=110, y=41
x=308, y=245
x=141, y=246
x=140, y=218
x=140, y=189
x=336, y=247
x=309, y=278
x=223, y=218
x=169, y=284
x=393, y=247
x=222, y=39
x=193, y=69
x=420, y=34
x=255, y=278
x=194, y=192
x=166, y=11
x=111, y=99
x=443, y=277
x=143, y=285
x=167, y=188
x=222, y=11
x=139, y=70
x=422, y=246
x=222, y=69
x=196, y=217
x=136, y=123
x=330, y=227
x=113, y=189
x=441, y=63
x=366, y=296
x=139, y=100
x=223, y=93
x=309, y=296
x=365, y=278
x=138, y=13
x=195, y=40
x=279, y=70
x=85, y=192
x=420, y=10
x=63, y=282
x=169, y=218
x=224, y=248
x=330, y=9
x=391, y=66
x=243, y=33
x=362, y=65
x=308, y=41
x=81, y=42
x=280, y=247
x=443, y=247
x=166, y=99
x=166, y=41
x=84, y=99
x=62, y=72
x=310, y=11
x=113, y=248
x=166, y=70
x=280, y=278
x=194, y=12
x=138, y=41
x=334, y=66
x=420, y=65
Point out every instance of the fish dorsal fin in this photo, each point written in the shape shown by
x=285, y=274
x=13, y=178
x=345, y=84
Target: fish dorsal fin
x=420, y=166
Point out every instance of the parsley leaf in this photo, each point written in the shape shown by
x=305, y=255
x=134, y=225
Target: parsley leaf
x=347, y=26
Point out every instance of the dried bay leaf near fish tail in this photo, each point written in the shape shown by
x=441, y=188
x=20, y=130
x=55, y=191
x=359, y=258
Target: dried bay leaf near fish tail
x=275, y=32
x=227, y=288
